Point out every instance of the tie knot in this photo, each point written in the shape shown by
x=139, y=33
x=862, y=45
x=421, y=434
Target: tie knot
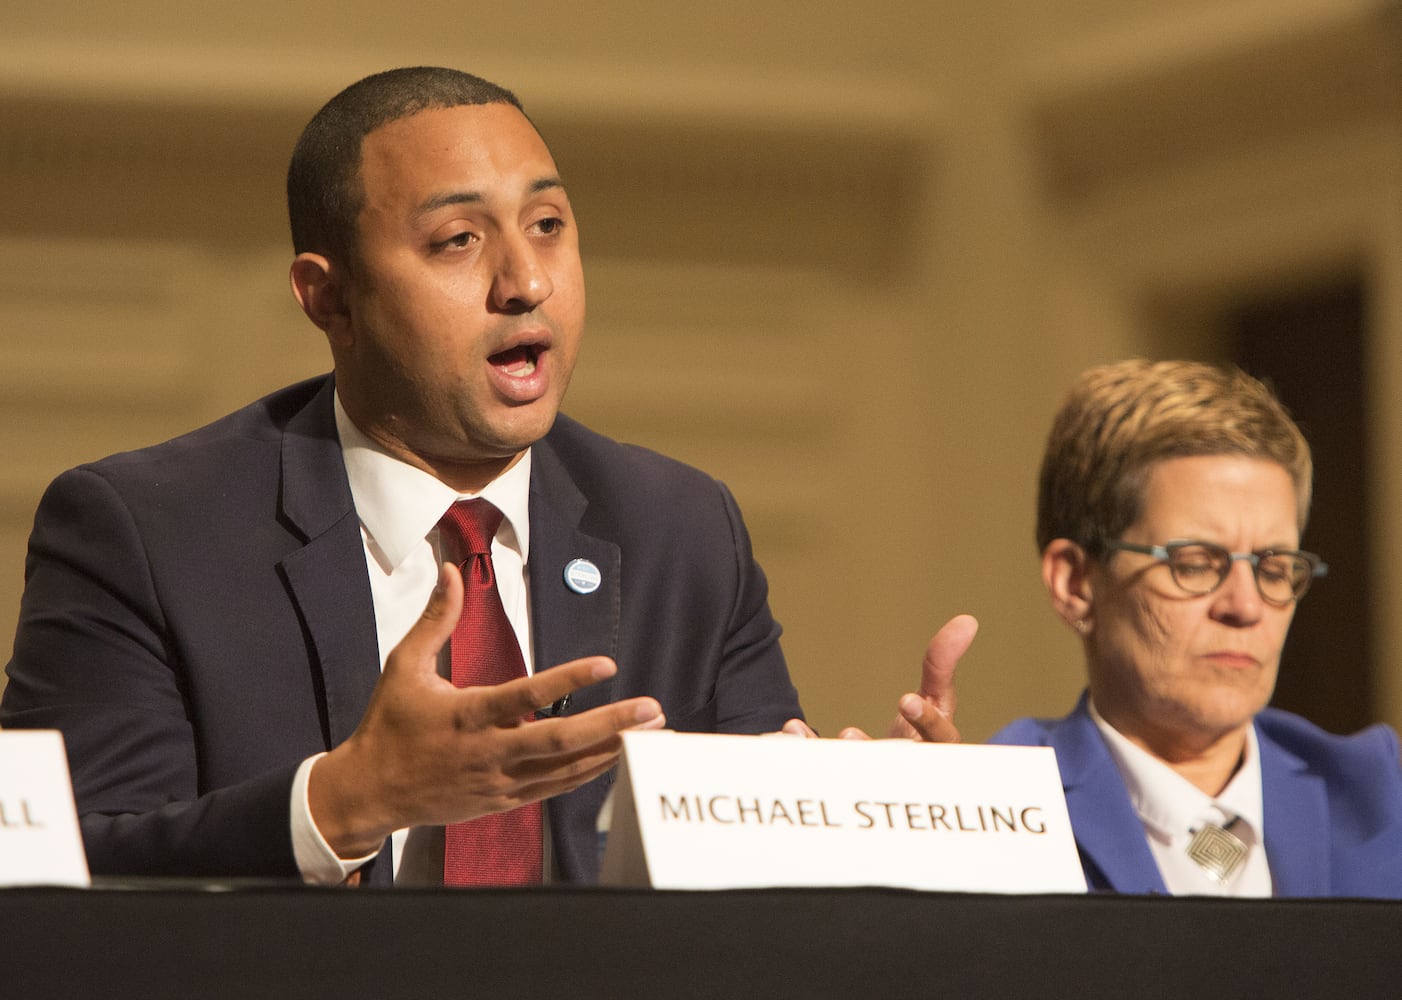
x=474, y=524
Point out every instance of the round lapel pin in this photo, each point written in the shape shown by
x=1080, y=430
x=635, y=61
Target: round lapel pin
x=582, y=576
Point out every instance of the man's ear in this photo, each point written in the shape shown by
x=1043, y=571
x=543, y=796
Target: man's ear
x=1066, y=575
x=319, y=286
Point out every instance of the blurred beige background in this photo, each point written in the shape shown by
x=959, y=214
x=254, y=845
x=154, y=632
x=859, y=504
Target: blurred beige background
x=845, y=257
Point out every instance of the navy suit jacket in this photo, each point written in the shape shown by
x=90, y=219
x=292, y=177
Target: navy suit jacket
x=197, y=620
x=1333, y=806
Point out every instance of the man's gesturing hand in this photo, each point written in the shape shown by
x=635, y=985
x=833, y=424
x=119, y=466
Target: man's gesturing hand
x=427, y=753
x=929, y=715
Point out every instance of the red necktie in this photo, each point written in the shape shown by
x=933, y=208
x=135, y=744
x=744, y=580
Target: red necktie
x=499, y=848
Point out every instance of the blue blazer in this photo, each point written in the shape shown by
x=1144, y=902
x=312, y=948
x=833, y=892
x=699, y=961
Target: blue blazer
x=197, y=620
x=1333, y=806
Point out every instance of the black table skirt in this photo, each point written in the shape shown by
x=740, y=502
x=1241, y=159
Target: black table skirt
x=164, y=940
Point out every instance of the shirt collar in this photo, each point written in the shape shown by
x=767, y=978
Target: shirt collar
x=1173, y=805
x=399, y=505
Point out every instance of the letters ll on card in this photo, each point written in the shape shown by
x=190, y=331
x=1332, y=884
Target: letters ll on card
x=39, y=839
x=693, y=811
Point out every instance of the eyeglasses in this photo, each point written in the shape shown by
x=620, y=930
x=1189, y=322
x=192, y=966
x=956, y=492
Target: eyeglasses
x=1282, y=575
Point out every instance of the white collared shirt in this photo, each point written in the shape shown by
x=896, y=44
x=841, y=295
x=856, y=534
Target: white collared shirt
x=1172, y=808
x=399, y=507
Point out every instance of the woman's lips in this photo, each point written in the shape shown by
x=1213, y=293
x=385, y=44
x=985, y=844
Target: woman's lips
x=1233, y=658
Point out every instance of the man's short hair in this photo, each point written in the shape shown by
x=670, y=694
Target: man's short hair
x=324, y=192
x=1120, y=419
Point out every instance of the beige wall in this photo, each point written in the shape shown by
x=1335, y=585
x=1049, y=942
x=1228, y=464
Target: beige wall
x=845, y=257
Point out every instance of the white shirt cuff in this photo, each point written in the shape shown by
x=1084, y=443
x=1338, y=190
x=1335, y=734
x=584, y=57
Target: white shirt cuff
x=317, y=862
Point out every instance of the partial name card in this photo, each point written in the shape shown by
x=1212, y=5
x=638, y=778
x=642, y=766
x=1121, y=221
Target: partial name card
x=700, y=811
x=40, y=843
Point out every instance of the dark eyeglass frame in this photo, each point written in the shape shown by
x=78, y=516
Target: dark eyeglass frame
x=1223, y=558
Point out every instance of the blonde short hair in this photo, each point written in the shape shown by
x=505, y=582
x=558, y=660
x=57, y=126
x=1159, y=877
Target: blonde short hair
x=1120, y=419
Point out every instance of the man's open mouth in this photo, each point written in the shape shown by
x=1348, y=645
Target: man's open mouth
x=517, y=362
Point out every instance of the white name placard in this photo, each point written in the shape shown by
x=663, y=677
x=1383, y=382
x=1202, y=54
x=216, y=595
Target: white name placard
x=693, y=811
x=39, y=839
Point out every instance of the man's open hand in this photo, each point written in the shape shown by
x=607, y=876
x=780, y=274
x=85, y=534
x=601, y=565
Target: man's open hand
x=427, y=753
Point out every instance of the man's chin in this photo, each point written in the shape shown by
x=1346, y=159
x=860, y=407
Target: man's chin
x=516, y=431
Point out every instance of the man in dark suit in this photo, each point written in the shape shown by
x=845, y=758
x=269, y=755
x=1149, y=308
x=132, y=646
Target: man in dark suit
x=230, y=628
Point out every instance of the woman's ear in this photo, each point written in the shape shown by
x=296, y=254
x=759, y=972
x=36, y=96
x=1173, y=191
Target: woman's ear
x=317, y=283
x=1066, y=575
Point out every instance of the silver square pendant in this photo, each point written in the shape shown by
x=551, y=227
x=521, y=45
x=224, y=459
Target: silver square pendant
x=1217, y=852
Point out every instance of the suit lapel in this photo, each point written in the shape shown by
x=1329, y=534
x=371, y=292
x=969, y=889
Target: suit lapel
x=1108, y=832
x=565, y=623
x=326, y=578
x=1297, y=822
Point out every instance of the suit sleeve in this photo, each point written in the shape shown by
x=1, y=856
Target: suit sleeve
x=753, y=692
x=96, y=658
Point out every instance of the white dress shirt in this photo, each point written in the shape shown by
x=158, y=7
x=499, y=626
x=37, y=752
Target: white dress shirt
x=1172, y=808
x=399, y=507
